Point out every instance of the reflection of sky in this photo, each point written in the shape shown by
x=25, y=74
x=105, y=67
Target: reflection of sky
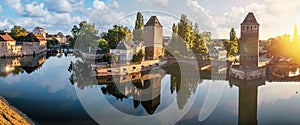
x=279, y=103
x=49, y=82
x=46, y=94
x=226, y=111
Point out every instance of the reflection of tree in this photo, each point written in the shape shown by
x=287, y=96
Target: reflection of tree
x=183, y=83
x=17, y=70
x=112, y=89
x=81, y=74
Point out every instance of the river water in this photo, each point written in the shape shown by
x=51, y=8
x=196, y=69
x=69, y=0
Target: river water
x=59, y=89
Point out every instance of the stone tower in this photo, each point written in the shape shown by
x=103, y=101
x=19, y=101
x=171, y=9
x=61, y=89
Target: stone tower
x=248, y=45
x=153, y=38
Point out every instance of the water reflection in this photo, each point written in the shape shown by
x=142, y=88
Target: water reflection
x=52, y=80
x=144, y=89
x=18, y=65
x=247, y=100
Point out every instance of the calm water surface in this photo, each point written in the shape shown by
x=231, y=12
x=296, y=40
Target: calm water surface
x=47, y=89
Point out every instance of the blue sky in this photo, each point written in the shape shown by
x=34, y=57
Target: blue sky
x=275, y=17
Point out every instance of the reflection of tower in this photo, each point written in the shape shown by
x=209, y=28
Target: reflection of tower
x=247, y=100
x=152, y=95
x=153, y=38
x=248, y=105
x=249, y=42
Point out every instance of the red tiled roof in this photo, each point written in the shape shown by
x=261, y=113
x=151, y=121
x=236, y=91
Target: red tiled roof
x=5, y=37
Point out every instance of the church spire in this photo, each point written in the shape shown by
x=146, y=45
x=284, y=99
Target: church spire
x=295, y=33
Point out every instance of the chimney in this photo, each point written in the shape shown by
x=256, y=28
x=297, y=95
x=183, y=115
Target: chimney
x=5, y=31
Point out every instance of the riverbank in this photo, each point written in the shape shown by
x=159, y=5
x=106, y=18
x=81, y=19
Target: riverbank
x=9, y=115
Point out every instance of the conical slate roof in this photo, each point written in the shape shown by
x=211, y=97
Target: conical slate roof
x=250, y=20
x=153, y=21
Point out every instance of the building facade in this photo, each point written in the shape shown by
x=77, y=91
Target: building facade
x=123, y=51
x=153, y=38
x=33, y=44
x=8, y=46
x=28, y=45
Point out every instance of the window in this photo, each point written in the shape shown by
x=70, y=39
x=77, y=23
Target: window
x=133, y=76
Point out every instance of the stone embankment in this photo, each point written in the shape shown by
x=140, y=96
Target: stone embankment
x=9, y=115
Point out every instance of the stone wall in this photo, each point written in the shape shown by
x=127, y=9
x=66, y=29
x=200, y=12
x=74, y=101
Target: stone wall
x=248, y=74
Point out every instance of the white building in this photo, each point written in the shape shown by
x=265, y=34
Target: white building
x=8, y=45
x=33, y=44
x=123, y=51
x=61, y=38
x=218, y=53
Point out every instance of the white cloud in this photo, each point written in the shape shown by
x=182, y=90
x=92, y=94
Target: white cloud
x=114, y=5
x=15, y=4
x=65, y=6
x=274, y=17
x=99, y=5
x=35, y=10
x=4, y=24
x=160, y=3
x=59, y=6
x=104, y=15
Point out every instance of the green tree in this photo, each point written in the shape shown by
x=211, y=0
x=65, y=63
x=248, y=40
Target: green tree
x=117, y=34
x=199, y=41
x=138, y=57
x=75, y=33
x=231, y=45
x=139, y=23
x=85, y=36
x=184, y=30
x=110, y=58
x=52, y=42
x=17, y=31
x=103, y=44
